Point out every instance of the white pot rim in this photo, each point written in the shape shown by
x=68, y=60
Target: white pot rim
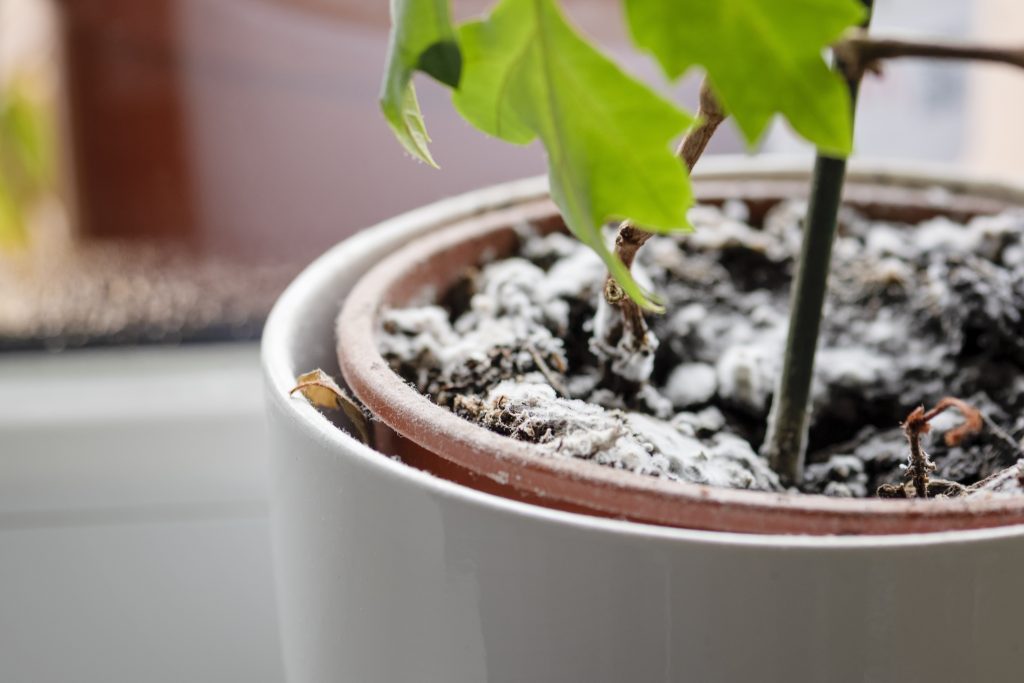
x=285, y=322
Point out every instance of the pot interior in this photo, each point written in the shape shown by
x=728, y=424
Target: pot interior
x=883, y=202
x=469, y=455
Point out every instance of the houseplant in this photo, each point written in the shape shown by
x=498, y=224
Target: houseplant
x=389, y=574
x=523, y=74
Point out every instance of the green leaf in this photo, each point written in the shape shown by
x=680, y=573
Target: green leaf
x=26, y=159
x=12, y=226
x=527, y=74
x=23, y=126
x=762, y=57
x=422, y=39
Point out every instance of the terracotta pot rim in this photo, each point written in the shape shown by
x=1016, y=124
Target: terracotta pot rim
x=601, y=489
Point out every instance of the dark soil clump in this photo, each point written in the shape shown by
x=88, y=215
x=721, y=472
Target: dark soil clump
x=915, y=313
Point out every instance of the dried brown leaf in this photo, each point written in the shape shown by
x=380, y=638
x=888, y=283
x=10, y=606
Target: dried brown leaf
x=322, y=391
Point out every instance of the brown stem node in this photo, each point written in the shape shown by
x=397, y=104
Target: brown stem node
x=630, y=237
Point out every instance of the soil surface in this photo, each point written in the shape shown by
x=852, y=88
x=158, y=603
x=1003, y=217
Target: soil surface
x=914, y=313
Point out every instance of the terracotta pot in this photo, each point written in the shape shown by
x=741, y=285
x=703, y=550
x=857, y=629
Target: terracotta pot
x=430, y=437
x=386, y=573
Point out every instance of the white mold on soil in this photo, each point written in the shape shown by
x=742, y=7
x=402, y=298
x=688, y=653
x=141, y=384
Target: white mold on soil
x=914, y=313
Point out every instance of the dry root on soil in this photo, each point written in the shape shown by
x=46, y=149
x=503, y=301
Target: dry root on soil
x=916, y=477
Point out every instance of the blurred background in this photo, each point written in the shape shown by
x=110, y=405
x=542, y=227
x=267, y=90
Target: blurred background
x=166, y=166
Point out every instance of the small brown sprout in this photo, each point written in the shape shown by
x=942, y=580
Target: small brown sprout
x=973, y=422
x=920, y=466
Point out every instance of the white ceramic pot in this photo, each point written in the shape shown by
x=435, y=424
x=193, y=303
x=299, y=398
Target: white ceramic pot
x=386, y=574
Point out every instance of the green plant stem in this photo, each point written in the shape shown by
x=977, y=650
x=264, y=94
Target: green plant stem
x=786, y=441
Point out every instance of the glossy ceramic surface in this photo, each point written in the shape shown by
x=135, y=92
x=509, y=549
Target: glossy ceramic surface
x=387, y=574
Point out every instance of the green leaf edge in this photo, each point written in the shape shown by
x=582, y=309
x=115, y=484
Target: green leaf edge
x=646, y=300
x=752, y=134
x=439, y=58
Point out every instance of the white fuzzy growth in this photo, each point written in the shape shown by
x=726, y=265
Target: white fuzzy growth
x=844, y=474
x=635, y=365
x=727, y=233
x=884, y=240
x=627, y=359
x=426, y=333
x=999, y=237
x=629, y=441
x=515, y=308
x=942, y=234
x=724, y=334
x=709, y=420
x=746, y=375
x=1009, y=482
x=691, y=384
x=852, y=366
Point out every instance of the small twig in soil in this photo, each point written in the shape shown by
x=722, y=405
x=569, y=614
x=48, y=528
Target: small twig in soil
x=936, y=487
x=1003, y=437
x=860, y=53
x=997, y=478
x=553, y=379
x=917, y=424
x=630, y=237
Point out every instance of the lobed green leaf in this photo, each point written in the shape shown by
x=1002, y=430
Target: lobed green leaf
x=422, y=39
x=762, y=57
x=527, y=74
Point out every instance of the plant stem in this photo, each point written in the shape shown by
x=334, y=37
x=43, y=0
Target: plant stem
x=920, y=467
x=786, y=440
x=710, y=115
x=861, y=53
x=630, y=238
